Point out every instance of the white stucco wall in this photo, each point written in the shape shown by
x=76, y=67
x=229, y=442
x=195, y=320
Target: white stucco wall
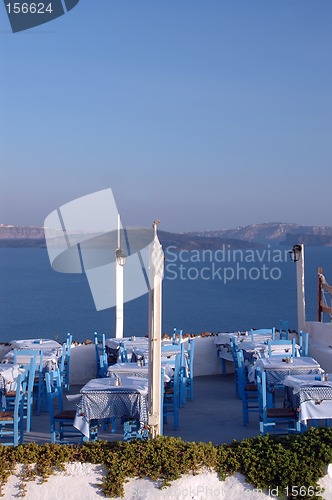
x=81, y=481
x=320, y=343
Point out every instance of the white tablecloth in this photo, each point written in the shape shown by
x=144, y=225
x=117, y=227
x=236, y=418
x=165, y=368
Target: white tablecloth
x=50, y=359
x=8, y=376
x=132, y=369
x=44, y=344
x=129, y=342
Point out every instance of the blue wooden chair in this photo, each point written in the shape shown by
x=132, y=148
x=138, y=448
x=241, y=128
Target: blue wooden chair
x=62, y=363
x=172, y=395
x=11, y=421
x=123, y=353
x=100, y=350
x=69, y=342
x=183, y=375
x=273, y=419
x=22, y=358
x=248, y=392
x=262, y=333
x=103, y=365
x=234, y=349
x=281, y=348
x=304, y=343
x=283, y=329
x=177, y=336
x=28, y=396
x=190, y=369
x=61, y=421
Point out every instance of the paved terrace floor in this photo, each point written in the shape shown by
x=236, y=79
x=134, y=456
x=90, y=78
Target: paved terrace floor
x=214, y=416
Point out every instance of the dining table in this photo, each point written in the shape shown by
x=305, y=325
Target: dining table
x=103, y=398
x=168, y=350
x=310, y=395
x=137, y=370
x=40, y=344
x=51, y=349
x=113, y=343
x=278, y=367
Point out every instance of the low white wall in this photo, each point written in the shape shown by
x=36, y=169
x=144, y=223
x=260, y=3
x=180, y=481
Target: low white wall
x=81, y=481
x=320, y=343
x=82, y=364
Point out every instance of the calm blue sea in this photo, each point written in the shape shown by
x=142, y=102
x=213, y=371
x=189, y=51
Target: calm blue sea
x=201, y=292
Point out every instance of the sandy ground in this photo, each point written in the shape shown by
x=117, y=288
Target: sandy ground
x=80, y=482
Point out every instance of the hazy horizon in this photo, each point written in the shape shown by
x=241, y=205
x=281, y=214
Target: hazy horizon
x=3, y=224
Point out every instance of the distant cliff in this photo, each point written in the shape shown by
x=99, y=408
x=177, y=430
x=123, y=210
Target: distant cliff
x=21, y=232
x=275, y=233
x=33, y=236
x=251, y=236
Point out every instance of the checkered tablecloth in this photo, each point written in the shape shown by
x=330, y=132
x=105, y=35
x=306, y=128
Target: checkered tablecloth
x=101, y=399
x=311, y=397
x=277, y=369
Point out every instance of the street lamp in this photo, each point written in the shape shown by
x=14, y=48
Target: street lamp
x=120, y=257
x=295, y=253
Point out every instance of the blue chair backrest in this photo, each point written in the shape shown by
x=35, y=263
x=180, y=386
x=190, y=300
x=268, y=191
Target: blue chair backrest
x=234, y=348
x=21, y=385
x=54, y=390
x=241, y=372
x=281, y=348
x=283, y=329
x=31, y=371
x=177, y=336
x=261, y=388
x=191, y=353
x=103, y=365
x=23, y=357
x=63, y=358
x=123, y=353
x=304, y=343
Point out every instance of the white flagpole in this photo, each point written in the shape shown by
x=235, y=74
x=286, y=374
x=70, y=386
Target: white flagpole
x=155, y=314
x=119, y=288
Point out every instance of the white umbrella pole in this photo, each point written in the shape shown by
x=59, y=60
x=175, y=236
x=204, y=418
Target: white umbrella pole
x=300, y=291
x=155, y=314
x=118, y=290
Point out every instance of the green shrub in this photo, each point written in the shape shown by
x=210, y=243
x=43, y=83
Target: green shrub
x=283, y=464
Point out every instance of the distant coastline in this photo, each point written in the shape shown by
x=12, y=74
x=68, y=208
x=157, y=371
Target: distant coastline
x=252, y=236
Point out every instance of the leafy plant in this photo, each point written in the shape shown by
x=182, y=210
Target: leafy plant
x=282, y=464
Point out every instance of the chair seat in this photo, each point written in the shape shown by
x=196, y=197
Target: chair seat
x=251, y=387
x=281, y=413
x=6, y=415
x=11, y=394
x=66, y=414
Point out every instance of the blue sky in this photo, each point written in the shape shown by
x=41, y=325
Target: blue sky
x=202, y=113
